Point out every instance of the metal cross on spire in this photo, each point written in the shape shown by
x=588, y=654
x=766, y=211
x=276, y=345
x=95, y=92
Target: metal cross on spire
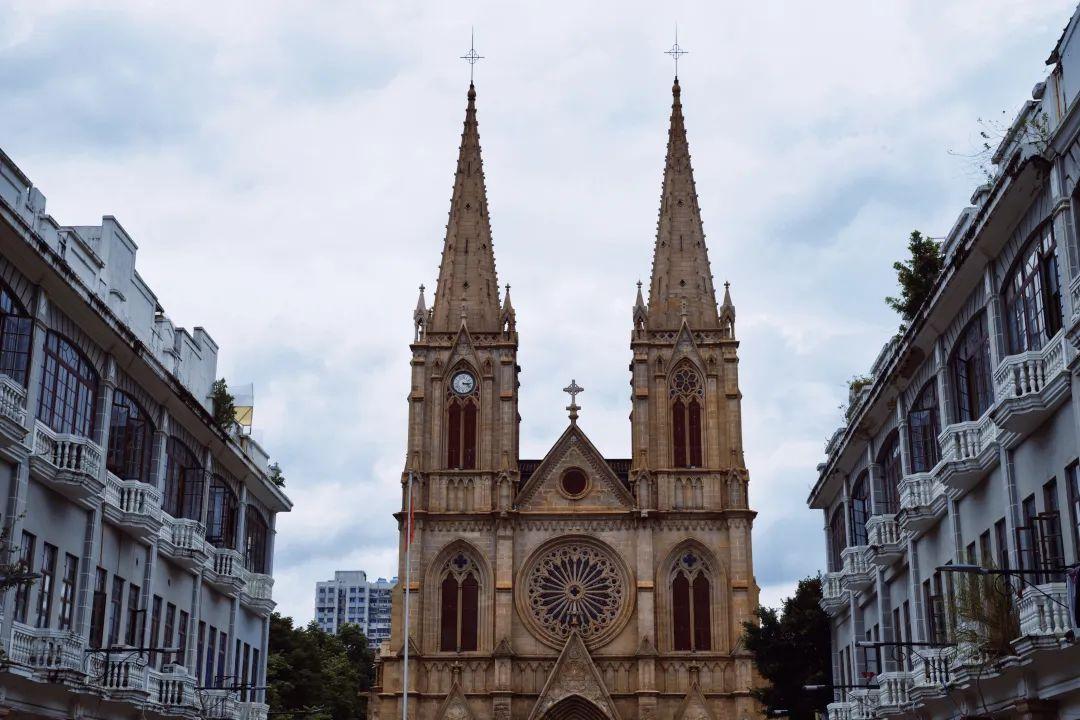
x=472, y=57
x=676, y=51
x=572, y=390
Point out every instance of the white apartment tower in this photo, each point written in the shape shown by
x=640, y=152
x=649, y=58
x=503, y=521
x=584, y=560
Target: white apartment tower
x=351, y=598
x=950, y=500
x=150, y=529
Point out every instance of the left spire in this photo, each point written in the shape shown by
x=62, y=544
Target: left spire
x=468, y=286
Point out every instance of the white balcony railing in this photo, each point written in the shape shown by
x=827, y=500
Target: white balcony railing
x=133, y=497
x=857, y=573
x=832, y=588
x=966, y=441
x=883, y=530
x=1044, y=611
x=45, y=649
x=1029, y=373
x=253, y=711
x=12, y=400
x=171, y=688
x=117, y=672
x=67, y=453
x=894, y=688
x=258, y=586
x=930, y=668
x=863, y=704
x=217, y=704
x=839, y=711
x=919, y=491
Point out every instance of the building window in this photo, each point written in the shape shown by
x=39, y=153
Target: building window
x=181, y=640
x=687, y=396
x=463, y=400
x=892, y=473
x=200, y=649
x=68, y=388
x=223, y=643
x=1072, y=478
x=116, y=607
x=48, y=585
x=923, y=429
x=155, y=628
x=15, y=332
x=183, y=481
x=837, y=539
x=131, y=637
x=255, y=530
x=26, y=563
x=970, y=370
x=67, y=590
x=170, y=627
x=209, y=677
x=97, y=613
x=860, y=509
x=460, y=605
x=130, y=439
x=690, y=604
x=221, y=519
x=1033, y=295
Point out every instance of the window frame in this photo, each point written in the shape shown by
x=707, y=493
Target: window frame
x=970, y=371
x=923, y=429
x=1031, y=293
x=16, y=337
x=69, y=388
x=686, y=405
x=131, y=439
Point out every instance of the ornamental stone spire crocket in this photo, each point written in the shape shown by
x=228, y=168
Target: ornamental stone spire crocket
x=680, y=269
x=467, y=272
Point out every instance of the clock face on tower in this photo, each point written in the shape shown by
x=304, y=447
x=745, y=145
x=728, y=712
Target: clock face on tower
x=463, y=383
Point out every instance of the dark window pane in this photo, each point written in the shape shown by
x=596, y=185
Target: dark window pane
x=860, y=510
x=453, y=435
x=68, y=389
x=470, y=612
x=680, y=611
x=678, y=433
x=694, y=416
x=448, y=615
x=468, y=441
x=702, y=619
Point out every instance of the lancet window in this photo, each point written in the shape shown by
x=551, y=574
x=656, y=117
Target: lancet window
x=68, y=388
x=687, y=395
x=691, y=603
x=462, y=411
x=15, y=330
x=130, y=439
x=459, y=603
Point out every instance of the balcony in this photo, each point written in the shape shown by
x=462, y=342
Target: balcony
x=922, y=502
x=252, y=711
x=118, y=675
x=862, y=704
x=69, y=464
x=134, y=506
x=1031, y=385
x=857, y=574
x=225, y=570
x=217, y=704
x=886, y=540
x=930, y=673
x=834, y=596
x=44, y=650
x=257, y=593
x=1044, y=617
x=968, y=451
x=839, y=711
x=172, y=690
x=893, y=694
x=12, y=412
x=184, y=541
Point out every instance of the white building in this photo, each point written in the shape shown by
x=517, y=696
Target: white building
x=148, y=526
x=962, y=449
x=351, y=598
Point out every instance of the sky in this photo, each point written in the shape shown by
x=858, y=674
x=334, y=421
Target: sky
x=286, y=168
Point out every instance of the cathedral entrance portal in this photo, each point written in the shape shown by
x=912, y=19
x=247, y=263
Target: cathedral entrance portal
x=575, y=708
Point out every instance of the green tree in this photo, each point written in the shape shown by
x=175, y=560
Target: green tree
x=791, y=650
x=313, y=675
x=276, y=476
x=916, y=275
x=223, y=403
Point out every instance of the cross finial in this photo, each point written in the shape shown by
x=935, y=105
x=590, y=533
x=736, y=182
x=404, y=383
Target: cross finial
x=422, y=288
x=472, y=57
x=638, y=284
x=676, y=51
x=572, y=390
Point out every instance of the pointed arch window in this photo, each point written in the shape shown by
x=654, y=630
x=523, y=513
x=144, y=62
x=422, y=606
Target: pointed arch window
x=130, y=439
x=462, y=411
x=459, y=602
x=15, y=331
x=970, y=370
x=892, y=473
x=691, y=606
x=183, y=481
x=1033, y=295
x=860, y=509
x=69, y=387
x=687, y=395
x=837, y=538
x=924, y=427
x=221, y=514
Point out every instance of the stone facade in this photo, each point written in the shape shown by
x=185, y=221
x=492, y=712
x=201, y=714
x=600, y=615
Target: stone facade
x=550, y=588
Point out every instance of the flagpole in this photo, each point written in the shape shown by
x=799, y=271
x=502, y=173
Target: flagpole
x=408, y=565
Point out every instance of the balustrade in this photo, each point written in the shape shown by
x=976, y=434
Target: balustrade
x=45, y=649
x=894, y=688
x=968, y=449
x=862, y=704
x=839, y=711
x=1029, y=385
x=12, y=401
x=1044, y=611
x=171, y=687
x=70, y=463
x=118, y=671
x=930, y=668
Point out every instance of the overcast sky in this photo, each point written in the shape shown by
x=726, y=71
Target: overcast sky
x=286, y=171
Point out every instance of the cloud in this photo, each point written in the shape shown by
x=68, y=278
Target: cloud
x=287, y=173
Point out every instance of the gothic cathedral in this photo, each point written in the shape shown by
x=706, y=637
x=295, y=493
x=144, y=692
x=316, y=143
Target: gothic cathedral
x=573, y=586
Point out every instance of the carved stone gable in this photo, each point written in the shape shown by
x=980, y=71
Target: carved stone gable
x=694, y=706
x=593, y=485
x=455, y=707
x=574, y=676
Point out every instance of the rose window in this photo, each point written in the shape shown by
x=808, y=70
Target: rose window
x=575, y=585
x=686, y=383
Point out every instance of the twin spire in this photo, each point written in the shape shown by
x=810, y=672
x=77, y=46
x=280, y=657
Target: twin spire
x=681, y=285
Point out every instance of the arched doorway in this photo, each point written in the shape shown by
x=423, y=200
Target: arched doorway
x=575, y=707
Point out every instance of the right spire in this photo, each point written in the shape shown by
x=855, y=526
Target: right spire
x=681, y=277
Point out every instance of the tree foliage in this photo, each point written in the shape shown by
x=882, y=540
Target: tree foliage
x=791, y=650
x=313, y=675
x=916, y=275
x=276, y=476
x=223, y=403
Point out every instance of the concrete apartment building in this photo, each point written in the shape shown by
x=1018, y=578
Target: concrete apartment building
x=962, y=449
x=351, y=598
x=148, y=527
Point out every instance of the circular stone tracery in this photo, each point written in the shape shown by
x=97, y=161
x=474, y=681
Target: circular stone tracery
x=575, y=583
